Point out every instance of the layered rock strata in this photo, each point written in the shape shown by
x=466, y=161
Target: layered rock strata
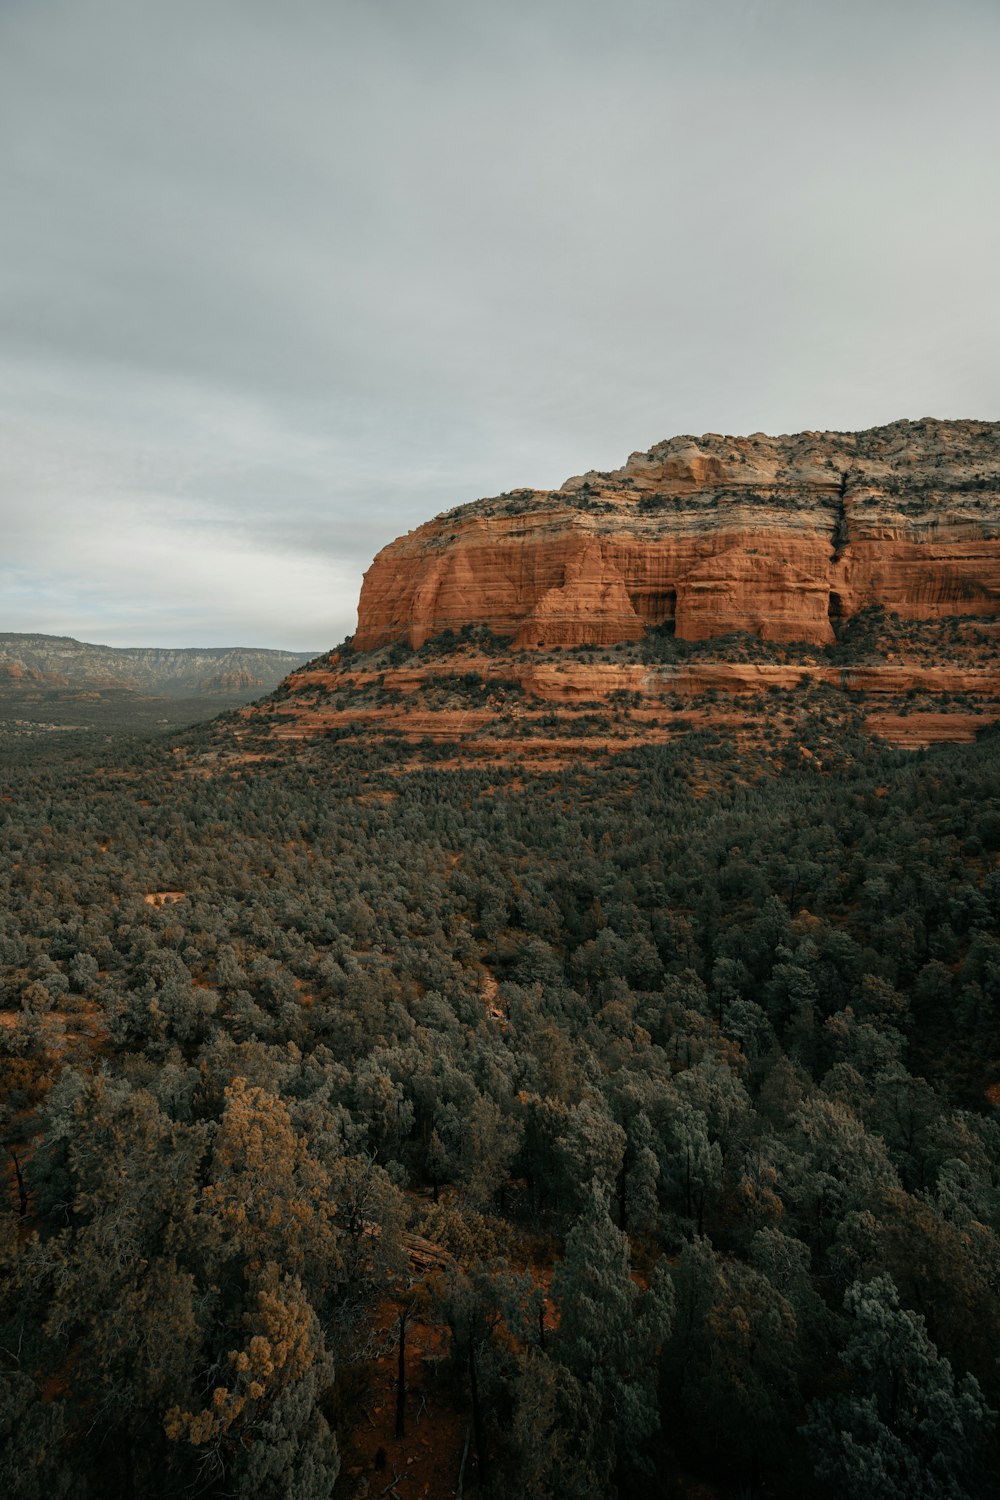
x=783, y=537
x=525, y=708
x=537, y=627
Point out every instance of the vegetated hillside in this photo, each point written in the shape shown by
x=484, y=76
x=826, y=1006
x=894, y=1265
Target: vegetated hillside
x=910, y=683
x=643, y=1113
x=61, y=662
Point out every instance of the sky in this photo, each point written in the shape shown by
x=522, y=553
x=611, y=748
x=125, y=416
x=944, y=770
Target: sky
x=278, y=282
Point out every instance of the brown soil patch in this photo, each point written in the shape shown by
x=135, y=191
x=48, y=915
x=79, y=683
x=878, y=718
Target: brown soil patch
x=424, y=1464
x=917, y=730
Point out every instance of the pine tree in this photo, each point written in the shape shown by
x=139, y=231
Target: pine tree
x=908, y=1430
x=609, y=1330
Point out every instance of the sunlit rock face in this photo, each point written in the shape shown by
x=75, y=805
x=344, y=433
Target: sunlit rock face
x=783, y=537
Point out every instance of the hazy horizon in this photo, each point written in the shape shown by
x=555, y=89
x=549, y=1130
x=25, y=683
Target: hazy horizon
x=278, y=285
x=160, y=645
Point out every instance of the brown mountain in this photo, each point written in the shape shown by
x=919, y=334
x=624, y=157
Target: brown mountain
x=851, y=572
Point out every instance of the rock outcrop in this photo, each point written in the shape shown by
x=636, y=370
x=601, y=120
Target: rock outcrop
x=526, y=707
x=777, y=589
x=784, y=537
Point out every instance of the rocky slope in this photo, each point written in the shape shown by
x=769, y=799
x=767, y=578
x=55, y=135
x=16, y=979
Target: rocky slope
x=757, y=583
x=60, y=662
x=779, y=536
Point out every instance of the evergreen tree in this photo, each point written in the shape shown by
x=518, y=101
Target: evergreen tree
x=908, y=1430
x=609, y=1330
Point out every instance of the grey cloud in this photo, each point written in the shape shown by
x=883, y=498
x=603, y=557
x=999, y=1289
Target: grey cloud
x=278, y=282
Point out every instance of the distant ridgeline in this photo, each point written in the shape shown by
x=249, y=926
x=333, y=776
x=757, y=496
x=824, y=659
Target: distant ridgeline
x=852, y=567
x=58, y=661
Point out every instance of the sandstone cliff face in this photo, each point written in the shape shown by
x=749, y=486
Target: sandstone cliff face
x=713, y=540
x=783, y=537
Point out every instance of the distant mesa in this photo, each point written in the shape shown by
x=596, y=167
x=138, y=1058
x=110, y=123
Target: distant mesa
x=57, y=661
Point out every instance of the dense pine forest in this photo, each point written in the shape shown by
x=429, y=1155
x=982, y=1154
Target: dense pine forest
x=654, y=1101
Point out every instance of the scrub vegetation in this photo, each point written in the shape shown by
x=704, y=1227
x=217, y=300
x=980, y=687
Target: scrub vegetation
x=370, y=1128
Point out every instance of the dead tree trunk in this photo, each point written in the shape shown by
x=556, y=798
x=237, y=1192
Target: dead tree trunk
x=22, y=1191
x=477, y=1422
x=404, y=1314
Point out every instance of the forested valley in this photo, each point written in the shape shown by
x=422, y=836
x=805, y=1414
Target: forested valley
x=660, y=1096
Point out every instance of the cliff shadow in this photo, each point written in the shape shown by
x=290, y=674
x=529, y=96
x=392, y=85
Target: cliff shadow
x=836, y=612
x=657, y=609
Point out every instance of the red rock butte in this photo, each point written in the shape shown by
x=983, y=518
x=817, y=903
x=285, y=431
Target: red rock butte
x=783, y=537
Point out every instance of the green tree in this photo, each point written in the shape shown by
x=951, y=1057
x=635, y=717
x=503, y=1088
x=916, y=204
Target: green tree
x=264, y=1432
x=732, y=1363
x=609, y=1331
x=908, y=1430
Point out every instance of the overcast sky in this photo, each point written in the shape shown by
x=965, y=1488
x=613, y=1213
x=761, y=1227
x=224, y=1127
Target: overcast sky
x=278, y=281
